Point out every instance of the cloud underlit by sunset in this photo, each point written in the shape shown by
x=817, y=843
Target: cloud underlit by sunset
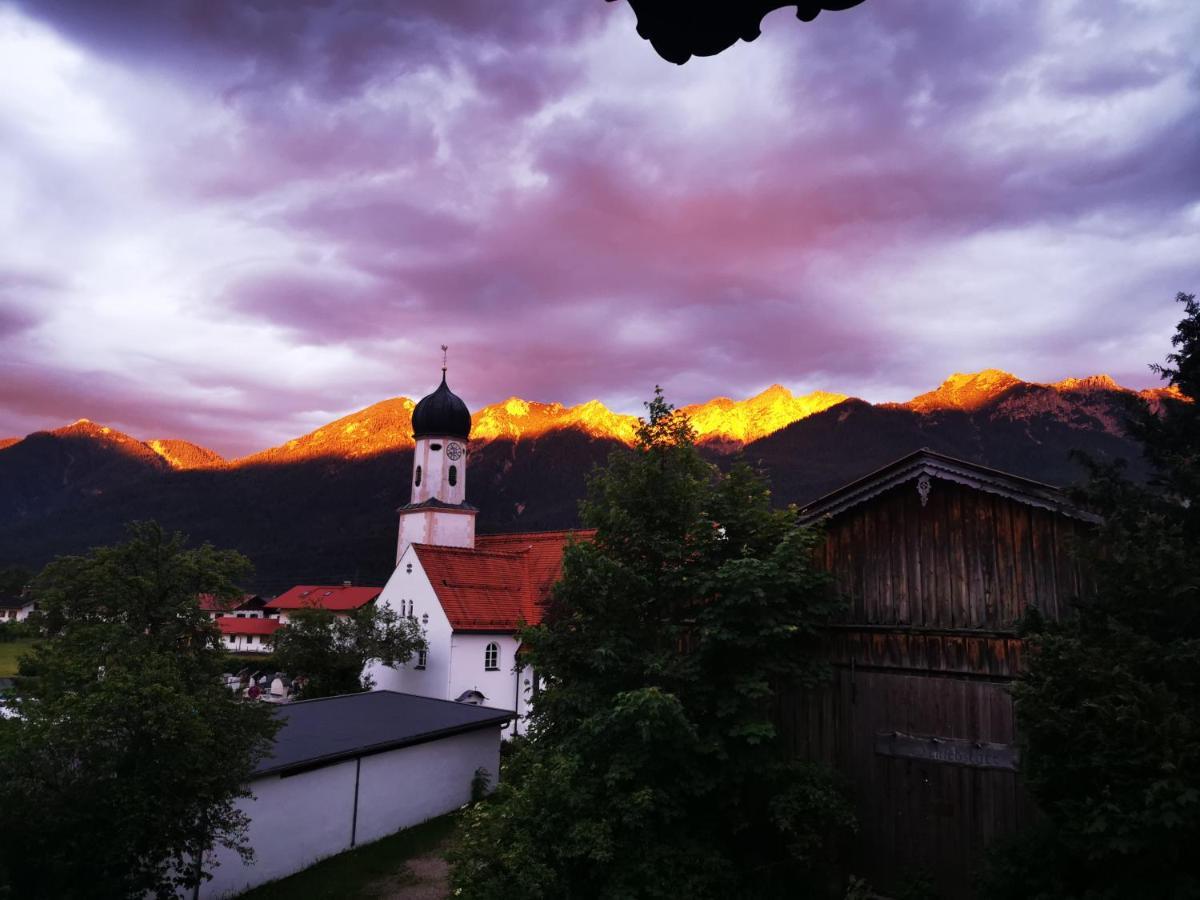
x=232, y=222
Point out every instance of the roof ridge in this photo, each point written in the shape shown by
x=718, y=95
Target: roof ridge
x=473, y=551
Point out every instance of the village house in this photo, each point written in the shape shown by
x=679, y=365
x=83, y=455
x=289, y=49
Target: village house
x=16, y=609
x=340, y=599
x=939, y=560
x=472, y=594
x=250, y=606
x=247, y=635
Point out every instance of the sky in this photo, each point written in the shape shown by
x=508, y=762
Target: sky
x=232, y=222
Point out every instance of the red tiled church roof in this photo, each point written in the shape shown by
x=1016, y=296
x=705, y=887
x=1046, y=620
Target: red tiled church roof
x=336, y=597
x=501, y=583
x=234, y=625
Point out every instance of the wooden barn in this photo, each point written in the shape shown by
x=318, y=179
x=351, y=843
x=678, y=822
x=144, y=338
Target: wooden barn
x=939, y=559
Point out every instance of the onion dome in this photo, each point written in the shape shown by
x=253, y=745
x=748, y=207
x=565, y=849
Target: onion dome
x=441, y=414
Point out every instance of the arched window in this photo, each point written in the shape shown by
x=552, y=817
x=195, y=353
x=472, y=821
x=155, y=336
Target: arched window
x=453, y=476
x=491, y=657
x=417, y=482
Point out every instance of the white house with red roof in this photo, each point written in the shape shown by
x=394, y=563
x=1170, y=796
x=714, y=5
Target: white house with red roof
x=247, y=634
x=471, y=594
x=341, y=598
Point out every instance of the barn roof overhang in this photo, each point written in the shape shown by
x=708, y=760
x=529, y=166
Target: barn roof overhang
x=929, y=464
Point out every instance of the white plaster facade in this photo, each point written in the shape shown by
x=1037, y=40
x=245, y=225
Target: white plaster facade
x=455, y=662
x=296, y=820
x=248, y=643
x=17, y=613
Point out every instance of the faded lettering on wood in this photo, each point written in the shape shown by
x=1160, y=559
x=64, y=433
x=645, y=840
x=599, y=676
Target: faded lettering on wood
x=955, y=751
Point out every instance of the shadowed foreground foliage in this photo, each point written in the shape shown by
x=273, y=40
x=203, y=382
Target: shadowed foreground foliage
x=1110, y=708
x=653, y=768
x=129, y=753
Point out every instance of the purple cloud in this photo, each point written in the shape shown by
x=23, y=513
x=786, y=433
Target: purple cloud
x=276, y=212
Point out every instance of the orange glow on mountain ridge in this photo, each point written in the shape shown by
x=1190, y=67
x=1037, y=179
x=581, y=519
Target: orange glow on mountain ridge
x=723, y=423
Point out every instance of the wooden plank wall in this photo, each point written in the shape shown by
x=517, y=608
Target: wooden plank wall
x=928, y=648
x=966, y=560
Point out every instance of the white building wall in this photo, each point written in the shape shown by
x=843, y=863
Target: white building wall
x=435, y=471
x=467, y=672
x=414, y=586
x=297, y=820
x=440, y=527
x=294, y=822
x=406, y=787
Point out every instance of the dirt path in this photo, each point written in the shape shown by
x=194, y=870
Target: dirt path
x=424, y=878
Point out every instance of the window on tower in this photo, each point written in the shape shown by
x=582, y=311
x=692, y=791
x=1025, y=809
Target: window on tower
x=453, y=476
x=417, y=480
x=491, y=657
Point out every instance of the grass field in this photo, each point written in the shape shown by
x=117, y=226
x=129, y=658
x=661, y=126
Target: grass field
x=371, y=871
x=8, y=656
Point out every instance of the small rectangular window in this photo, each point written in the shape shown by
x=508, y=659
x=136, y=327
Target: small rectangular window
x=422, y=659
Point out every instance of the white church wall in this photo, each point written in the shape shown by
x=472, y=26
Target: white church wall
x=434, y=680
x=440, y=527
x=467, y=671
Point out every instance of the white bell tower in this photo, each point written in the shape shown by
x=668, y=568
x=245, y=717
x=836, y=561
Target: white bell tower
x=439, y=512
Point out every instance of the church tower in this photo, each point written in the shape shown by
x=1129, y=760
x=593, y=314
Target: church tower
x=439, y=512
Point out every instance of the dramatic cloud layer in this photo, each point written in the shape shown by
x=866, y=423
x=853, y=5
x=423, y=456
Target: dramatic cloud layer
x=233, y=221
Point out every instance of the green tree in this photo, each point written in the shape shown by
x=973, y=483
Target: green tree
x=653, y=767
x=128, y=755
x=1109, y=709
x=330, y=653
x=14, y=580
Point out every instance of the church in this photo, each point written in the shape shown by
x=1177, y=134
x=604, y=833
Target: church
x=472, y=594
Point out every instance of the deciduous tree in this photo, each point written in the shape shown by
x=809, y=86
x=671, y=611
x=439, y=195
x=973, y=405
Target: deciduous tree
x=128, y=755
x=654, y=768
x=1109, y=709
x=329, y=653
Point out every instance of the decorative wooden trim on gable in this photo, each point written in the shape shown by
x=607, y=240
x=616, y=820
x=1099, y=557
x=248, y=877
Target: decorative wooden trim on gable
x=926, y=467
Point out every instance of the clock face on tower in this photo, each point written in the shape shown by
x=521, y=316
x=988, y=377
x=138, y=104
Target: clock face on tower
x=454, y=450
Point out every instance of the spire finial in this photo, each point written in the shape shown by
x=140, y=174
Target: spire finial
x=444, y=349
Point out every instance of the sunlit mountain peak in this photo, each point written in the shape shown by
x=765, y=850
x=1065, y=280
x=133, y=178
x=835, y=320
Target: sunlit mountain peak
x=725, y=420
x=965, y=391
x=1088, y=383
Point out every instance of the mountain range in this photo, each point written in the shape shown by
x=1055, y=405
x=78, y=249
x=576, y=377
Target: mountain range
x=321, y=507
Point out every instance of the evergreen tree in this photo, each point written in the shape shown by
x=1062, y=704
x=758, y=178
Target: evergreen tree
x=1109, y=709
x=128, y=754
x=653, y=767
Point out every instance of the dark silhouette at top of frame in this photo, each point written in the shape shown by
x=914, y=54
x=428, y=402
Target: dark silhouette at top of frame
x=681, y=29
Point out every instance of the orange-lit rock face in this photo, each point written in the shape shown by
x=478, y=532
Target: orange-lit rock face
x=965, y=391
x=719, y=420
x=185, y=455
x=383, y=426
x=722, y=419
x=515, y=418
x=721, y=423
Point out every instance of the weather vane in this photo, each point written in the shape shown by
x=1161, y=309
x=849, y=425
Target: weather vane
x=444, y=349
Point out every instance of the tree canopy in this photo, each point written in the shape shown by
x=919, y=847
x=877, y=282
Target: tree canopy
x=1109, y=709
x=128, y=755
x=653, y=767
x=329, y=653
